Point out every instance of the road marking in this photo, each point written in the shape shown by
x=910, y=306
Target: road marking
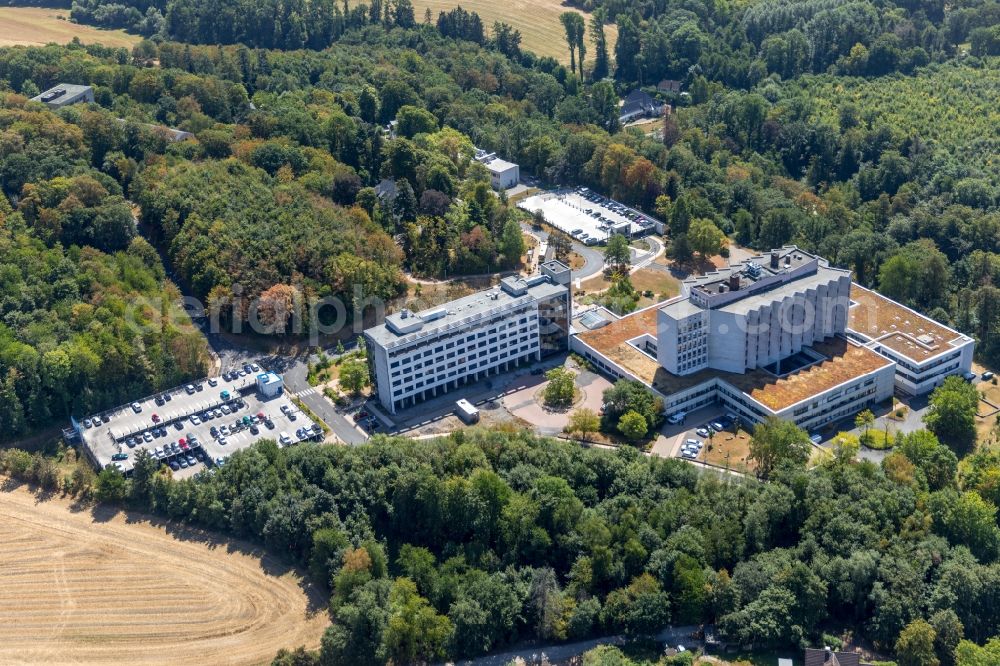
x=309, y=391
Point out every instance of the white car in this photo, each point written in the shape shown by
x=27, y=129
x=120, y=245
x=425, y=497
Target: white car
x=158, y=452
x=285, y=409
x=225, y=409
x=284, y=438
x=147, y=436
x=222, y=441
x=212, y=381
x=97, y=421
x=136, y=407
x=689, y=453
x=195, y=420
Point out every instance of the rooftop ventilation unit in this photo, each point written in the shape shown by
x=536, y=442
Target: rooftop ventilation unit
x=404, y=314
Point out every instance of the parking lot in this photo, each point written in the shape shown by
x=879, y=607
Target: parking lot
x=183, y=424
x=586, y=216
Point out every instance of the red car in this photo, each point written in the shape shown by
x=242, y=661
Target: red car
x=183, y=443
x=261, y=416
x=156, y=418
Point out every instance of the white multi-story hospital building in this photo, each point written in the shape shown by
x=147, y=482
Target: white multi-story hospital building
x=417, y=355
x=783, y=334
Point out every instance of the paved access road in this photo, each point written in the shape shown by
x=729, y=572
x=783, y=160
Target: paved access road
x=294, y=371
x=593, y=258
x=557, y=654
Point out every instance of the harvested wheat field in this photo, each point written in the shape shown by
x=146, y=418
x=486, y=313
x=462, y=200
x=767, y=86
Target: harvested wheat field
x=98, y=586
x=538, y=21
x=37, y=26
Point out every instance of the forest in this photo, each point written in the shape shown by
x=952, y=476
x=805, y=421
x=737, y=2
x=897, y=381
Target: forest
x=89, y=319
x=889, y=176
x=332, y=156
x=461, y=545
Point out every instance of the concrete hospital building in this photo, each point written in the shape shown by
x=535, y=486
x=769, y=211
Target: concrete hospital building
x=782, y=334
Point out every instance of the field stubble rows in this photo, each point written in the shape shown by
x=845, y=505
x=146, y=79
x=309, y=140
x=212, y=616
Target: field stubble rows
x=99, y=586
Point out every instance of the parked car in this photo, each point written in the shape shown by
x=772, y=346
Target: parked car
x=191, y=460
x=213, y=431
x=269, y=424
x=158, y=400
x=156, y=418
x=174, y=465
x=225, y=409
x=717, y=426
x=212, y=381
x=702, y=432
x=147, y=436
x=158, y=452
x=189, y=389
x=87, y=423
x=284, y=439
x=988, y=375
x=285, y=409
x=223, y=441
x=136, y=407
x=120, y=456
x=816, y=438
x=97, y=421
x=182, y=462
x=224, y=431
x=254, y=430
x=195, y=420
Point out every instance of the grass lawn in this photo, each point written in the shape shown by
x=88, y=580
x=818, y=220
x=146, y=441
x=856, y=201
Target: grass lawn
x=663, y=285
x=538, y=21
x=728, y=450
x=37, y=26
x=877, y=439
x=987, y=432
x=990, y=391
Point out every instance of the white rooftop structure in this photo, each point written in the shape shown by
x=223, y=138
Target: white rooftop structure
x=414, y=355
x=503, y=174
x=65, y=94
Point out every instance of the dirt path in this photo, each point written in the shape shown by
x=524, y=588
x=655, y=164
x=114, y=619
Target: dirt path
x=98, y=586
